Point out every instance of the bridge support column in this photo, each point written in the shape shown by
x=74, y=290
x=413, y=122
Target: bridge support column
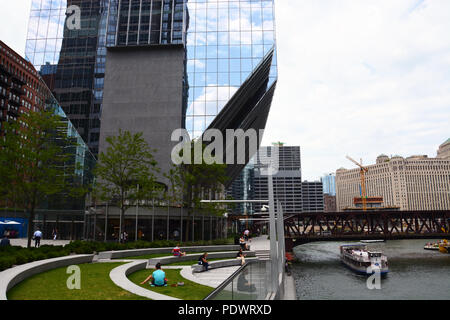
x=289, y=244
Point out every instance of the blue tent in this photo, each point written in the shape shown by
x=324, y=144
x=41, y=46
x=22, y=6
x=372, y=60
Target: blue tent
x=17, y=224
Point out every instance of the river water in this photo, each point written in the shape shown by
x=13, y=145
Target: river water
x=414, y=273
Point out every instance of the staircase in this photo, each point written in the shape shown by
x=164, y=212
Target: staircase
x=263, y=254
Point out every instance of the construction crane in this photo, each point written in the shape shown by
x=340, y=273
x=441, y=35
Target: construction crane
x=362, y=172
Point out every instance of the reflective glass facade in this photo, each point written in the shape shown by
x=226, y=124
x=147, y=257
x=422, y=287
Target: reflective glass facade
x=71, y=60
x=329, y=184
x=225, y=40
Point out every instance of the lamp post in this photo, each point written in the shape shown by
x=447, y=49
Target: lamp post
x=137, y=216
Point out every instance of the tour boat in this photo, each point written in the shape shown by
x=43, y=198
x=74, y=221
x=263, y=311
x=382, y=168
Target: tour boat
x=363, y=261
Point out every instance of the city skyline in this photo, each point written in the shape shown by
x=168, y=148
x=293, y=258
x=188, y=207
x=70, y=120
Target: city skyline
x=357, y=79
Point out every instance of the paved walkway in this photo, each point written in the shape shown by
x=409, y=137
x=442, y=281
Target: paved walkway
x=22, y=242
x=260, y=243
x=212, y=278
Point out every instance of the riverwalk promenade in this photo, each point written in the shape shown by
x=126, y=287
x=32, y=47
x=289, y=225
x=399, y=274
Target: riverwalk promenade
x=213, y=278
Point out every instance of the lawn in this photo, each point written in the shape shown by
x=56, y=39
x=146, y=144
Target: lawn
x=51, y=285
x=190, y=290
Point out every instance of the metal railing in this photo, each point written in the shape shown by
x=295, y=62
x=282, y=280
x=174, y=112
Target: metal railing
x=249, y=282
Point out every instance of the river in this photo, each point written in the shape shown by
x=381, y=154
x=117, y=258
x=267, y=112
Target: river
x=414, y=273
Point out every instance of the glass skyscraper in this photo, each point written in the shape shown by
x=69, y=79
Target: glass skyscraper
x=224, y=39
x=329, y=184
x=76, y=58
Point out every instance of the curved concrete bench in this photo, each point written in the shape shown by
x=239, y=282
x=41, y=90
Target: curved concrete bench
x=10, y=277
x=119, y=277
x=213, y=255
x=140, y=252
x=220, y=264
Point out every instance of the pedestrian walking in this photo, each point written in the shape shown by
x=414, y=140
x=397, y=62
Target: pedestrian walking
x=37, y=236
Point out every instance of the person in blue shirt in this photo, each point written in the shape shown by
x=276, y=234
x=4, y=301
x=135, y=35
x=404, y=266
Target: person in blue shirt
x=158, y=277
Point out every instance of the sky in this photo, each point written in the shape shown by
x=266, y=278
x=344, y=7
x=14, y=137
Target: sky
x=356, y=77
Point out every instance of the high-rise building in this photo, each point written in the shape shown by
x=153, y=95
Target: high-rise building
x=169, y=64
x=287, y=182
x=329, y=203
x=413, y=183
x=329, y=184
x=444, y=150
x=22, y=90
x=76, y=50
x=312, y=194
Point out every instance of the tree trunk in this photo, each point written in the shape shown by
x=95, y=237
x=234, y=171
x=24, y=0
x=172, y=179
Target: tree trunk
x=30, y=227
x=121, y=222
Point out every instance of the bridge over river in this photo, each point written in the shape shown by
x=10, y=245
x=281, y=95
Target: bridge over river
x=387, y=225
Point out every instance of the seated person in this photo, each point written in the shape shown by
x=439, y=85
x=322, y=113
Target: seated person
x=158, y=277
x=242, y=243
x=177, y=251
x=203, y=262
x=241, y=256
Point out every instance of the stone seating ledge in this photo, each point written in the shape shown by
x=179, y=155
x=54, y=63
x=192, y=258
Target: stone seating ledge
x=213, y=255
x=139, y=252
x=196, y=268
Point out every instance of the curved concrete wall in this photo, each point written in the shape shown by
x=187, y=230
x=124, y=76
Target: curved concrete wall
x=119, y=277
x=213, y=255
x=139, y=252
x=10, y=277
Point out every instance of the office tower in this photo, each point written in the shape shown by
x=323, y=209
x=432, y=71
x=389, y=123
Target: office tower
x=188, y=64
x=413, y=183
x=70, y=59
x=23, y=90
x=329, y=203
x=193, y=56
x=329, y=184
x=287, y=182
x=444, y=150
x=312, y=194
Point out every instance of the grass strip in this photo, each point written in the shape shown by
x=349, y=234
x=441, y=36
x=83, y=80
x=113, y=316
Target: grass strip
x=51, y=285
x=190, y=290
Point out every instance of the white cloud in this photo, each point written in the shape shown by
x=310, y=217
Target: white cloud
x=361, y=78
x=14, y=24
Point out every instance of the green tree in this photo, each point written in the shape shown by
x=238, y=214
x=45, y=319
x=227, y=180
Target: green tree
x=125, y=173
x=202, y=182
x=174, y=192
x=36, y=162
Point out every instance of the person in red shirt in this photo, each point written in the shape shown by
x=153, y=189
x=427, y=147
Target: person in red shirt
x=177, y=251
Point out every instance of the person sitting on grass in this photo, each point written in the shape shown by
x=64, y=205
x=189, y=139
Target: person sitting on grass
x=241, y=256
x=158, y=277
x=203, y=262
x=177, y=251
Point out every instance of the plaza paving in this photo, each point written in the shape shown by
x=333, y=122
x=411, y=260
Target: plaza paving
x=22, y=242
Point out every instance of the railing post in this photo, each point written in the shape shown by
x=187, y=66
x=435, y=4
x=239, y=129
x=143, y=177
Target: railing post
x=273, y=236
